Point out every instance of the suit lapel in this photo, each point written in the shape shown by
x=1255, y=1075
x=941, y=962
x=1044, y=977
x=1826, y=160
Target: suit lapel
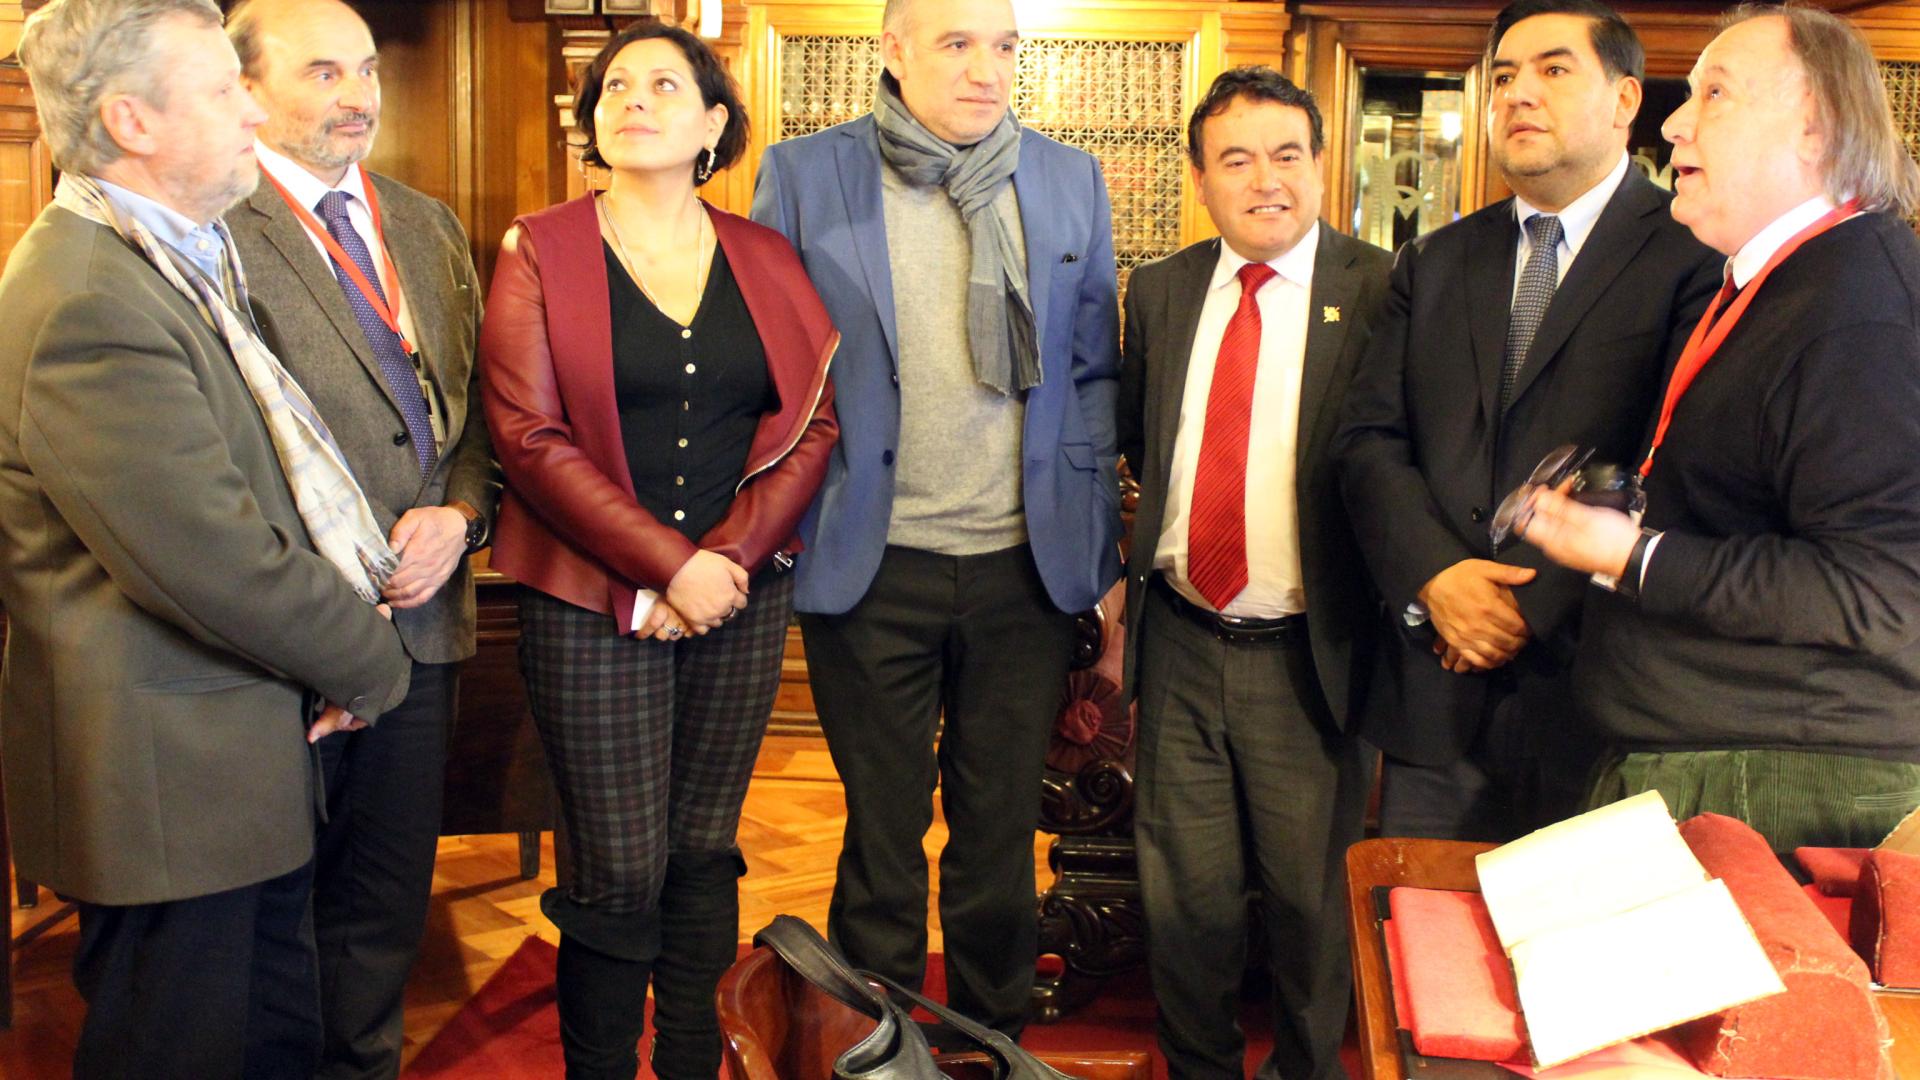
x=1330, y=312
x=424, y=279
x=860, y=167
x=284, y=231
x=1032, y=190
x=1186, y=293
x=1490, y=254
x=1620, y=231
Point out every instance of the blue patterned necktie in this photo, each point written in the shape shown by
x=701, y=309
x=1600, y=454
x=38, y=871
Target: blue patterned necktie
x=1537, y=282
x=395, y=365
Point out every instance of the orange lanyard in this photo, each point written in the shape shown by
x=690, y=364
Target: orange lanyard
x=1708, y=335
x=345, y=262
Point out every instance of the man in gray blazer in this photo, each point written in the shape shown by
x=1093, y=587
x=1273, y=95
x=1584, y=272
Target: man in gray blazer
x=402, y=417
x=1248, y=637
x=173, y=630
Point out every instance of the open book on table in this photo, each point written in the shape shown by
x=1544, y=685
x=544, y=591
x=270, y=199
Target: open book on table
x=1615, y=930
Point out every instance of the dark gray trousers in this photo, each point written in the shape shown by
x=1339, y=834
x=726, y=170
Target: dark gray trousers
x=1243, y=786
x=973, y=638
x=373, y=871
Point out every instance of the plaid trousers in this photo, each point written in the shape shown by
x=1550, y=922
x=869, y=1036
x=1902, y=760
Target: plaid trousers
x=651, y=743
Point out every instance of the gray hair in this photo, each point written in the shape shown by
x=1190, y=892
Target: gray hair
x=1865, y=157
x=80, y=52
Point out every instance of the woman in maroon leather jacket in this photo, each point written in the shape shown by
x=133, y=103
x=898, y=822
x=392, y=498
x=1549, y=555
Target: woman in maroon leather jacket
x=655, y=376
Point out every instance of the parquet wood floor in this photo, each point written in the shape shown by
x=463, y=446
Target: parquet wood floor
x=789, y=830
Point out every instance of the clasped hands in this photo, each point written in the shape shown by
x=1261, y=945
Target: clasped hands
x=1471, y=602
x=707, y=590
x=1473, y=610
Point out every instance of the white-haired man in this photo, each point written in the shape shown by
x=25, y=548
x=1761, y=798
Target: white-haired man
x=180, y=603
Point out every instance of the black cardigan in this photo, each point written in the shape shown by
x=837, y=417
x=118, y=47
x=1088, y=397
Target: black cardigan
x=1782, y=607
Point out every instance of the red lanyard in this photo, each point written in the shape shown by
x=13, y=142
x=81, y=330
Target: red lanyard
x=1708, y=335
x=345, y=262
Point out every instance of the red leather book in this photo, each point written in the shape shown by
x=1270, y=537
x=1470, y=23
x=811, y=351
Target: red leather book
x=1885, y=923
x=1459, y=995
x=1833, y=869
x=1826, y=1026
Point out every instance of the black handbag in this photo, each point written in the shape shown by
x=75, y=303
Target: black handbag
x=898, y=1048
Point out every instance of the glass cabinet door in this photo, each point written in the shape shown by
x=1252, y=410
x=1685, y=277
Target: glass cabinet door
x=1652, y=154
x=1408, y=131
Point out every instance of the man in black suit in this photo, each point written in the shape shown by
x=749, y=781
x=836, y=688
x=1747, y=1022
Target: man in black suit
x=1544, y=319
x=1246, y=611
x=1757, y=653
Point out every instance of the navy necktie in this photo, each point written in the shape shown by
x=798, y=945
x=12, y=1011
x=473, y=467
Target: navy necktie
x=395, y=365
x=1537, y=283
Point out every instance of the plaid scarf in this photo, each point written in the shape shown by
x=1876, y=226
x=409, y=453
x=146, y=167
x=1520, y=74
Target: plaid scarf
x=330, y=501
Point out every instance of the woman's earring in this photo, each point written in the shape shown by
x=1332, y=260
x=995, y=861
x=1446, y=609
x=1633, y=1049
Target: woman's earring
x=703, y=170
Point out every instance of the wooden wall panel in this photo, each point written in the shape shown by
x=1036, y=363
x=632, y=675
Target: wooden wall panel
x=26, y=173
x=466, y=111
x=418, y=142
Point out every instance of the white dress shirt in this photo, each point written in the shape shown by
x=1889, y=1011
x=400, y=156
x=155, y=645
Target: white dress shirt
x=1274, y=586
x=308, y=190
x=1577, y=219
x=1753, y=255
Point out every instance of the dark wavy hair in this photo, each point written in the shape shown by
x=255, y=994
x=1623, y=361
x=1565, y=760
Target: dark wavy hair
x=1255, y=83
x=716, y=88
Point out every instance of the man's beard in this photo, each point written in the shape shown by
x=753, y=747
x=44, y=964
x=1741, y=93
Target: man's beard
x=317, y=147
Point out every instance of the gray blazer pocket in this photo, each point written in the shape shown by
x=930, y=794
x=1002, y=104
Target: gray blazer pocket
x=197, y=684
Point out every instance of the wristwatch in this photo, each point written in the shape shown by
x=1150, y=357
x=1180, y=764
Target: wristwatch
x=1629, y=584
x=477, y=530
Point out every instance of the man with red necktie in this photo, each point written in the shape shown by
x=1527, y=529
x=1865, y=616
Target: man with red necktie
x=1755, y=648
x=1247, y=608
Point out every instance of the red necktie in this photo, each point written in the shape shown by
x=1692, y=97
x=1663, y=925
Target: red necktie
x=1217, y=525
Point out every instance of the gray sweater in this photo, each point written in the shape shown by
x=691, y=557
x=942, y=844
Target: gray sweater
x=957, y=474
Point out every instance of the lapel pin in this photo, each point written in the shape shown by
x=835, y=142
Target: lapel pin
x=1330, y=313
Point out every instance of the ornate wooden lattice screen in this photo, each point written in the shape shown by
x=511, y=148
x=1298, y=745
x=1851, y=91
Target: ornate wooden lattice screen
x=1120, y=101
x=1903, y=93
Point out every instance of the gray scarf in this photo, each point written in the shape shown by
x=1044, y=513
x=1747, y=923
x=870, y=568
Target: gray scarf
x=1006, y=350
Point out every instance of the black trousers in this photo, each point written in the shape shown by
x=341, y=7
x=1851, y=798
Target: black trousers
x=1243, y=786
x=975, y=639
x=1530, y=765
x=373, y=871
x=211, y=987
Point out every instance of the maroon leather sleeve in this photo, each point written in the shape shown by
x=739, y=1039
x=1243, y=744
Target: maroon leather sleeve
x=767, y=510
x=535, y=438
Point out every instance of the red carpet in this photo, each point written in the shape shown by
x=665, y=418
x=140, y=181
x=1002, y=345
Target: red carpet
x=510, y=1031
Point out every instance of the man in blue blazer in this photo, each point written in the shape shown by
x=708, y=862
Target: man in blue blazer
x=971, y=505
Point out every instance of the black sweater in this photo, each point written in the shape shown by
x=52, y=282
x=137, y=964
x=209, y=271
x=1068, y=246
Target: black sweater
x=1781, y=608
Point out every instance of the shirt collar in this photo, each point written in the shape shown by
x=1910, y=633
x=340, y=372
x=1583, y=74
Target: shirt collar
x=1578, y=217
x=203, y=245
x=1296, y=265
x=1753, y=255
x=306, y=188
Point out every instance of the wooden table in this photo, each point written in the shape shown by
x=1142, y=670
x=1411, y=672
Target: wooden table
x=1448, y=864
